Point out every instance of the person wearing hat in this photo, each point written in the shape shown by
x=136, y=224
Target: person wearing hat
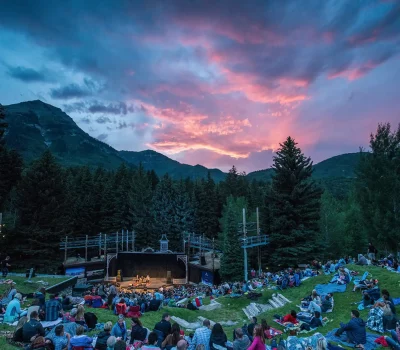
x=119, y=329
x=13, y=311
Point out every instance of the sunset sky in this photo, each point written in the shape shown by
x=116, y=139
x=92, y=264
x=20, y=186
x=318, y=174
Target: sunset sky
x=215, y=83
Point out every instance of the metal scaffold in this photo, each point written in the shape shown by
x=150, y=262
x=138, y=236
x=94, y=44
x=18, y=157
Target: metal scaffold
x=123, y=241
x=205, y=244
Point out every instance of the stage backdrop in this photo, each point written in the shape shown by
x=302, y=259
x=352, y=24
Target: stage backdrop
x=153, y=264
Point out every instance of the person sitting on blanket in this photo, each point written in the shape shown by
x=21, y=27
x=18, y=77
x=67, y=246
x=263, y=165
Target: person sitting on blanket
x=393, y=341
x=327, y=302
x=365, y=284
x=371, y=295
x=80, y=340
x=355, y=329
x=266, y=329
x=315, y=322
x=293, y=342
x=386, y=296
x=344, y=277
x=362, y=260
x=290, y=318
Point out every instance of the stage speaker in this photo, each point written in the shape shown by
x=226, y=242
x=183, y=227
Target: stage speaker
x=169, y=279
x=203, y=260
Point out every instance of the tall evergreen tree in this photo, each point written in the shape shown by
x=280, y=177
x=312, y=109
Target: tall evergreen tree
x=141, y=197
x=232, y=258
x=378, y=188
x=206, y=208
x=42, y=208
x=295, y=207
x=164, y=212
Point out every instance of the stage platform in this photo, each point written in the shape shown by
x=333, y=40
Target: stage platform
x=155, y=284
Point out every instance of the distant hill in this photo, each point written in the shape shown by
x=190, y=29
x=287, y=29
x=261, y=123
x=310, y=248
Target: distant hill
x=161, y=164
x=342, y=166
x=35, y=126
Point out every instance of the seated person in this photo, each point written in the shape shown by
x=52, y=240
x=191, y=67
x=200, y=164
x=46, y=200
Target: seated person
x=138, y=331
x=362, y=260
x=121, y=308
x=101, y=342
x=327, y=303
x=191, y=306
x=13, y=310
x=242, y=341
x=290, y=318
x=315, y=322
x=80, y=340
x=365, y=284
x=53, y=308
x=393, y=341
x=371, y=295
x=32, y=328
x=355, y=329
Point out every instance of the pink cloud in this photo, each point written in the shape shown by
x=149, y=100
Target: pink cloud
x=354, y=73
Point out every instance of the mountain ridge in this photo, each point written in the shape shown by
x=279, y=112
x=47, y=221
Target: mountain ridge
x=35, y=126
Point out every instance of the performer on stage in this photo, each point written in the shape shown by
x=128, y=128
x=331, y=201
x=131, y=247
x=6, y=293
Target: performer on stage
x=148, y=279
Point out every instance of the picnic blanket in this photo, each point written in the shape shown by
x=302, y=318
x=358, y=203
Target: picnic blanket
x=323, y=289
x=330, y=336
x=48, y=324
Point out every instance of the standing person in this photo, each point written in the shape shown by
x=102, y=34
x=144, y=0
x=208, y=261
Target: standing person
x=202, y=336
x=258, y=339
x=371, y=252
x=5, y=264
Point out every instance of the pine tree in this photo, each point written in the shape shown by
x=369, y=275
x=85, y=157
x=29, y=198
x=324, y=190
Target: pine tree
x=42, y=208
x=141, y=198
x=378, y=188
x=295, y=207
x=232, y=258
x=206, y=208
x=3, y=126
x=164, y=212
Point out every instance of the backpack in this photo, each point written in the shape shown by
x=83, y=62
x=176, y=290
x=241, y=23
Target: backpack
x=274, y=345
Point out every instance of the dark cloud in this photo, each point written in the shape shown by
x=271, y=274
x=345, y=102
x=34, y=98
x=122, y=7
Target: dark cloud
x=102, y=137
x=119, y=108
x=103, y=120
x=86, y=120
x=116, y=108
x=69, y=91
x=28, y=75
x=122, y=125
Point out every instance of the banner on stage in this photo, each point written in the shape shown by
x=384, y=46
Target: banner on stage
x=207, y=278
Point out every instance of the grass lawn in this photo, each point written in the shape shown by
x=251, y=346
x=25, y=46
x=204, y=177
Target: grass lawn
x=232, y=307
x=26, y=287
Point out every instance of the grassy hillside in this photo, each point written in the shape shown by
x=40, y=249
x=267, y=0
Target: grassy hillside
x=232, y=308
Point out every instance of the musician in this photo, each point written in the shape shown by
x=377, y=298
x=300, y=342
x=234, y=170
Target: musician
x=148, y=279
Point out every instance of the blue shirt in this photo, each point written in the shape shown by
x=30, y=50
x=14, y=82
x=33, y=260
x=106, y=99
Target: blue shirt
x=60, y=342
x=201, y=336
x=53, y=307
